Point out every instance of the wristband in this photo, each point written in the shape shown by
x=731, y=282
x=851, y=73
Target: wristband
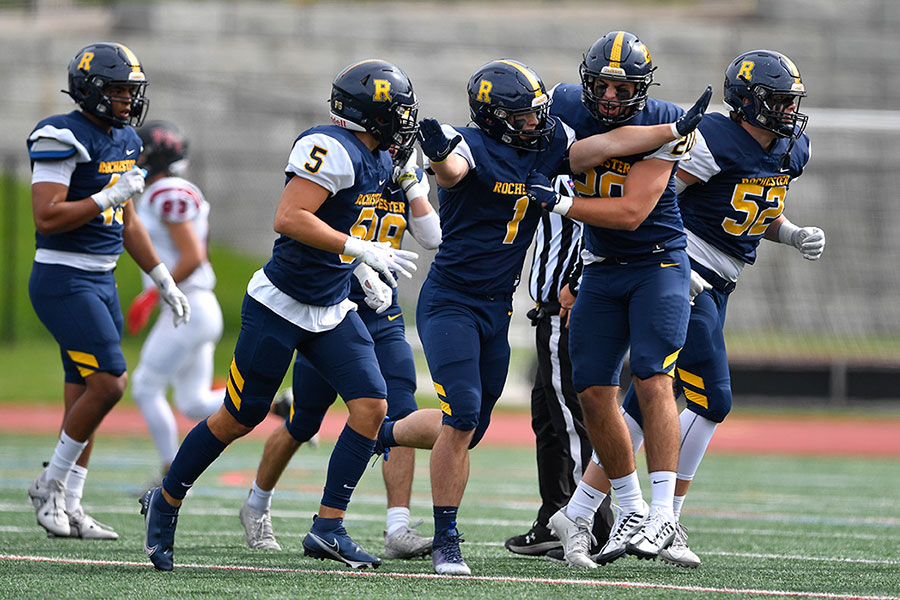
x=786, y=232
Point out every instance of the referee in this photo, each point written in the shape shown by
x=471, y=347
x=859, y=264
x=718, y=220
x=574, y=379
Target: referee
x=562, y=444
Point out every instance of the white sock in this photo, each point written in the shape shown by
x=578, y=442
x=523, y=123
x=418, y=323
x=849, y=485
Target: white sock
x=662, y=490
x=584, y=503
x=64, y=457
x=75, y=487
x=397, y=518
x=260, y=500
x=677, y=502
x=628, y=492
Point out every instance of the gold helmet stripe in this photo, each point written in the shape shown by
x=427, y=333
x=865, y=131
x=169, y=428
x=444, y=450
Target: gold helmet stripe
x=795, y=72
x=135, y=63
x=615, y=55
x=362, y=62
x=535, y=84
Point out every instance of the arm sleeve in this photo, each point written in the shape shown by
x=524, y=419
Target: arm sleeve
x=426, y=230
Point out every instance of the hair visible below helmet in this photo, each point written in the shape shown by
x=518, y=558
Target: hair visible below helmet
x=98, y=66
x=165, y=149
x=500, y=91
x=760, y=85
x=377, y=97
x=617, y=56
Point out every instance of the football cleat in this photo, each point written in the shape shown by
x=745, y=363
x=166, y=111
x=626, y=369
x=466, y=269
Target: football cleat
x=87, y=527
x=406, y=543
x=556, y=555
x=678, y=553
x=49, y=499
x=539, y=540
x=336, y=544
x=626, y=525
x=446, y=557
x=281, y=405
x=576, y=538
x=656, y=533
x=160, y=520
x=258, y=528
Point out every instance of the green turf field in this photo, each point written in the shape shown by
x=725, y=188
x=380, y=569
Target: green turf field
x=764, y=526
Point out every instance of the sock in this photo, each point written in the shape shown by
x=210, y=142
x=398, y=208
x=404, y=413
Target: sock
x=260, y=500
x=348, y=462
x=628, y=492
x=662, y=490
x=584, y=503
x=75, y=487
x=386, y=434
x=198, y=450
x=397, y=518
x=64, y=456
x=677, y=503
x=444, y=519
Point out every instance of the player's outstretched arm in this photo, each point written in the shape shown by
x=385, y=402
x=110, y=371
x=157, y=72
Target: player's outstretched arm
x=633, y=139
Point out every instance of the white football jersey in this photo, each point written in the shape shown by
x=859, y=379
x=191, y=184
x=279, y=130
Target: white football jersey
x=176, y=200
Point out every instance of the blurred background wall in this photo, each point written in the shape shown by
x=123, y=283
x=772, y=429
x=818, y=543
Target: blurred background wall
x=244, y=78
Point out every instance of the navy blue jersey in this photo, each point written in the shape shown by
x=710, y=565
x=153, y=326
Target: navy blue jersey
x=742, y=188
x=386, y=224
x=101, y=158
x=663, y=225
x=337, y=160
x=487, y=222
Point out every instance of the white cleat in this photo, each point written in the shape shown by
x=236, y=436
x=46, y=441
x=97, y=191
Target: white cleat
x=576, y=538
x=87, y=527
x=406, y=543
x=49, y=499
x=625, y=526
x=258, y=527
x=678, y=553
x=657, y=533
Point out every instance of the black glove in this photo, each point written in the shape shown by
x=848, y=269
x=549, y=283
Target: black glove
x=689, y=120
x=435, y=144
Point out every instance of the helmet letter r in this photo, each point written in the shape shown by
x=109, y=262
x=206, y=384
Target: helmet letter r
x=746, y=71
x=86, y=59
x=382, y=91
x=484, y=92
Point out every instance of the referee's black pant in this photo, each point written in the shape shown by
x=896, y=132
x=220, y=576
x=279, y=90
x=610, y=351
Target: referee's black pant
x=562, y=444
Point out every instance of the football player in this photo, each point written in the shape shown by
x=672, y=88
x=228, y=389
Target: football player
x=405, y=208
x=634, y=293
x=732, y=195
x=176, y=216
x=83, y=177
x=335, y=176
x=488, y=223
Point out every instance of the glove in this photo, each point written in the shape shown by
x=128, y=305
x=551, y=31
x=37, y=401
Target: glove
x=127, y=185
x=810, y=241
x=169, y=292
x=434, y=143
x=140, y=310
x=409, y=180
x=539, y=189
x=379, y=296
x=689, y=120
x=382, y=257
x=698, y=285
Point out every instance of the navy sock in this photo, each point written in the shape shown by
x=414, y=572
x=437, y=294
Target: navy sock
x=198, y=450
x=326, y=525
x=386, y=434
x=444, y=520
x=347, y=464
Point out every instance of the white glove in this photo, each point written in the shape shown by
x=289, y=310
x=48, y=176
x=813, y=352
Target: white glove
x=127, y=185
x=409, y=181
x=810, y=241
x=379, y=296
x=169, y=292
x=382, y=257
x=698, y=285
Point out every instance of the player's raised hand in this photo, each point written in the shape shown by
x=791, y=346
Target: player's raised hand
x=435, y=145
x=382, y=257
x=408, y=179
x=127, y=185
x=378, y=294
x=140, y=310
x=539, y=189
x=690, y=119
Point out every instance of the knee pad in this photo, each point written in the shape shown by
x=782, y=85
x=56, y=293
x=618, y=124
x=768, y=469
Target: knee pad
x=304, y=424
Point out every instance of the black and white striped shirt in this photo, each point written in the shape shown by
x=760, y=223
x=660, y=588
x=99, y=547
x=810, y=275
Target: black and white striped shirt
x=557, y=253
